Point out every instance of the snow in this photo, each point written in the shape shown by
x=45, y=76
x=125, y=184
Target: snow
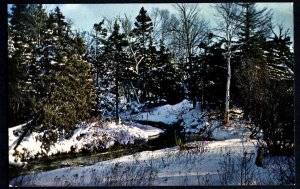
x=208, y=163
x=168, y=114
x=53, y=62
x=90, y=137
x=193, y=120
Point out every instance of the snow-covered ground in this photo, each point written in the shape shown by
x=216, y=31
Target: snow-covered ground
x=86, y=136
x=202, y=163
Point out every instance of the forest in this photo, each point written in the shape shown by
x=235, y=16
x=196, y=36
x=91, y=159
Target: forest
x=59, y=77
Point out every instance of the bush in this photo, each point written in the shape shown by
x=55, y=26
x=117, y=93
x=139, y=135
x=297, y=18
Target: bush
x=269, y=103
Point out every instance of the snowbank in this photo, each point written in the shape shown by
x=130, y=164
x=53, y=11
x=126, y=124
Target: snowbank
x=193, y=120
x=168, y=114
x=87, y=136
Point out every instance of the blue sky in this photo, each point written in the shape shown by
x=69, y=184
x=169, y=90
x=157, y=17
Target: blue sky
x=84, y=16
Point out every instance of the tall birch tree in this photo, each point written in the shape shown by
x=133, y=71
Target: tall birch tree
x=228, y=13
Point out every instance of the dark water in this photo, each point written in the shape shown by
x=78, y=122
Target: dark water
x=165, y=140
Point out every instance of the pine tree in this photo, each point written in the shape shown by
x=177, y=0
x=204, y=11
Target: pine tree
x=143, y=30
x=212, y=73
x=142, y=33
x=50, y=72
x=96, y=57
x=67, y=82
x=117, y=57
x=280, y=56
x=266, y=82
x=168, y=78
x=254, y=24
x=255, y=27
x=19, y=63
x=277, y=107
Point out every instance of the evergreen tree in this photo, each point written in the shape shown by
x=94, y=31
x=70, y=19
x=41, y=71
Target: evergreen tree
x=255, y=27
x=168, y=77
x=163, y=78
x=21, y=53
x=118, y=56
x=142, y=33
x=114, y=75
x=266, y=85
x=96, y=57
x=66, y=80
x=143, y=30
x=53, y=80
x=278, y=123
x=254, y=24
x=279, y=55
x=213, y=73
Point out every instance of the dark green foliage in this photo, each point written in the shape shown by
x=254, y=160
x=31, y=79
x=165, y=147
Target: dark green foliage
x=278, y=102
x=96, y=57
x=68, y=85
x=214, y=73
x=255, y=23
x=208, y=75
x=143, y=29
x=278, y=118
x=49, y=80
x=19, y=57
x=143, y=46
x=279, y=56
x=116, y=55
x=164, y=78
x=255, y=28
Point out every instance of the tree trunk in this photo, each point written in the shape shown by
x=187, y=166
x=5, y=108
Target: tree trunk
x=260, y=156
x=229, y=31
x=97, y=84
x=117, y=94
x=28, y=126
x=97, y=78
x=135, y=93
x=226, y=114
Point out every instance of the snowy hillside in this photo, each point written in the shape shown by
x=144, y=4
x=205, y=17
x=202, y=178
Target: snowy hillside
x=168, y=114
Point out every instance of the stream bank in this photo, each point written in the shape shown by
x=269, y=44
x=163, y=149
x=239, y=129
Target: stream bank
x=164, y=140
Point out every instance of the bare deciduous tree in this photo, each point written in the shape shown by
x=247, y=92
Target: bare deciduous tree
x=189, y=29
x=162, y=20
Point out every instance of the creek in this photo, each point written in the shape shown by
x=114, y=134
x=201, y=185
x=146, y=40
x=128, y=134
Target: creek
x=164, y=140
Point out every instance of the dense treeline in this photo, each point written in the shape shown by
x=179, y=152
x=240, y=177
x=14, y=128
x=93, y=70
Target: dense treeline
x=58, y=77
x=50, y=85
